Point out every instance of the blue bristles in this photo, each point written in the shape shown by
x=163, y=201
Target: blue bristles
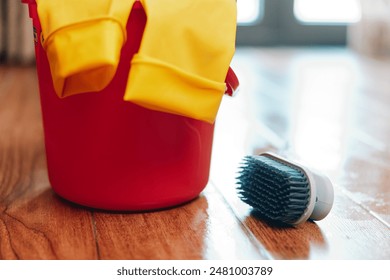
x=277, y=191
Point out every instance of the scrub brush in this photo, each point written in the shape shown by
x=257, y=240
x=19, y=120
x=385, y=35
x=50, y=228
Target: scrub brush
x=282, y=191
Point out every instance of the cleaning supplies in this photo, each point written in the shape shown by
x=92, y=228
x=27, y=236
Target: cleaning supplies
x=83, y=41
x=184, y=57
x=283, y=191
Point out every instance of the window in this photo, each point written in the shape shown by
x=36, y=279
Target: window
x=295, y=22
x=327, y=11
x=248, y=11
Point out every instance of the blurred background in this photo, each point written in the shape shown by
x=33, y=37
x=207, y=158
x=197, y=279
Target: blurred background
x=363, y=25
x=16, y=36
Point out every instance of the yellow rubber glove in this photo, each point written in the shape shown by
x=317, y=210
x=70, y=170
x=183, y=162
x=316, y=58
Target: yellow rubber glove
x=83, y=40
x=184, y=57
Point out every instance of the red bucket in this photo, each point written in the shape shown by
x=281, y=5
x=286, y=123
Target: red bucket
x=104, y=152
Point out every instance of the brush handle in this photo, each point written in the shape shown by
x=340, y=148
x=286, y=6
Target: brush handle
x=324, y=196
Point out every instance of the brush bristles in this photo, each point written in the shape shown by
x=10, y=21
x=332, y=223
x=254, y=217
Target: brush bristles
x=277, y=191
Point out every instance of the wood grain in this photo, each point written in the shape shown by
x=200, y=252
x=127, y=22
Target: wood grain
x=34, y=223
x=325, y=107
x=203, y=228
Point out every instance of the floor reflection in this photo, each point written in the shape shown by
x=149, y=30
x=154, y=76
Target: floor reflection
x=287, y=242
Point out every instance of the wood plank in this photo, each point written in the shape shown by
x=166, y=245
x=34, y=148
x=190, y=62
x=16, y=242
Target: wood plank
x=349, y=232
x=202, y=229
x=34, y=222
x=368, y=153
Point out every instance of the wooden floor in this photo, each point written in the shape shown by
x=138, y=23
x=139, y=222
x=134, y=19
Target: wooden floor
x=326, y=107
